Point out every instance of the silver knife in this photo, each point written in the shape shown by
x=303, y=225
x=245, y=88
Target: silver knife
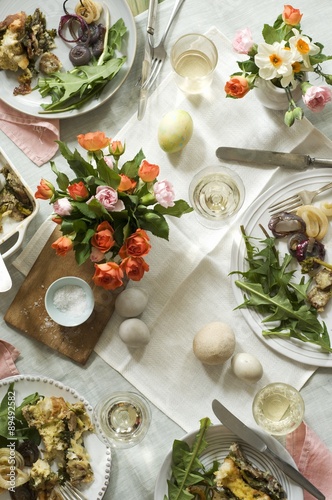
x=262, y=157
x=251, y=437
x=148, y=54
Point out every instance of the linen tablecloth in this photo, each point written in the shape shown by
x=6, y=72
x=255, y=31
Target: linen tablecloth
x=188, y=282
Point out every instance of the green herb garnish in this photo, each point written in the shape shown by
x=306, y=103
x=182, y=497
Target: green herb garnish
x=187, y=469
x=270, y=289
x=72, y=89
x=13, y=426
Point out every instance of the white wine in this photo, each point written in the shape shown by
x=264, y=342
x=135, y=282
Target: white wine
x=193, y=64
x=216, y=196
x=123, y=419
x=278, y=408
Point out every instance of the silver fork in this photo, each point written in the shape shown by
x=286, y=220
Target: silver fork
x=159, y=52
x=69, y=492
x=297, y=200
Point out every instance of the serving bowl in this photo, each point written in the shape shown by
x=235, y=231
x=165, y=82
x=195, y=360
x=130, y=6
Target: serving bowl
x=10, y=226
x=69, y=301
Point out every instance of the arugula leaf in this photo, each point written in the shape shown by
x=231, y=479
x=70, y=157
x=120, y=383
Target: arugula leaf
x=270, y=289
x=11, y=417
x=187, y=469
x=71, y=89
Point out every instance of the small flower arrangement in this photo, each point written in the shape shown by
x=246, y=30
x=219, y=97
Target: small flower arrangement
x=284, y=58
x=105, y=212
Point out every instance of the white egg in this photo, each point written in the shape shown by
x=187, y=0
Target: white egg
x=131, y=302
x=246, y=367
x=134, y=332
x=175, y=130
x=214, y=343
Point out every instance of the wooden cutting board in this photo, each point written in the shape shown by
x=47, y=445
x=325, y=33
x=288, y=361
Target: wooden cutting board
x=27, y=312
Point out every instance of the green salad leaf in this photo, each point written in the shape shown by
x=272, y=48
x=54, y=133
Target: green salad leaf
x=13, y=426
x=187, y=469
x=270, y=288
x=72, y=89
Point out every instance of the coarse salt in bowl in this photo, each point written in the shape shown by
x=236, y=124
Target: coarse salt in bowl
x=69, y=301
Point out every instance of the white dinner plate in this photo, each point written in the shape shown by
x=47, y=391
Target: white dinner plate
x=100, y=453
x=53, y=10
x=219, y=439
x=256, y=214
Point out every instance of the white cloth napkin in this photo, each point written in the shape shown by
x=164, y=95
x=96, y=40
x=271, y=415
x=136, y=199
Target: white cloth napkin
x=188, y=282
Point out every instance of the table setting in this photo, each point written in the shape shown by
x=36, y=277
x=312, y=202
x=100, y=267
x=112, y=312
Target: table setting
x=187, y=283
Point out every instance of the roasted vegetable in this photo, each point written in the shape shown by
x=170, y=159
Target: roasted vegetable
x=301, y=247
x=285, y=223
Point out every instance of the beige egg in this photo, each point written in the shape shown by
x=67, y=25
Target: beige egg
x=214, y=343
x=246, y=367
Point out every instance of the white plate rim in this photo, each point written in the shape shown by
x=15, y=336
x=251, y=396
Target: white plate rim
x=257, y=212
x=29, y=103
x=213, y=435
x=38, y=382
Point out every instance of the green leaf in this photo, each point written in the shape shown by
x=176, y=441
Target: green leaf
x=154, y=222
x=62, y=179
x=180, y=207
x=75, y=160
x=106, y=173
x=270, y=289
x=130, y=168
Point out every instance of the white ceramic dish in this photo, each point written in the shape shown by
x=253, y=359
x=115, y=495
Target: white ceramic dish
x=100, y=453
x=219, y=439
x=10, y=226
x=69, y=317
x=257, y=213
x=30, y=103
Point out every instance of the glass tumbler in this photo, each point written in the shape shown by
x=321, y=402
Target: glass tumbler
x=216, y=194
x=123, y=418
x=194, y=58
x=278, y=408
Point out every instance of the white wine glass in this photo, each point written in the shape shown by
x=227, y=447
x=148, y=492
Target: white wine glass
x=216, y=193
x=123, y=419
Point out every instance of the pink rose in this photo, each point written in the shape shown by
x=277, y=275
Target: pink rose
x=316, y=98
x=108, y=197
x=62, y=207
x=163, y=191
x=96, y=255
x=243, y=41
x=108, y=161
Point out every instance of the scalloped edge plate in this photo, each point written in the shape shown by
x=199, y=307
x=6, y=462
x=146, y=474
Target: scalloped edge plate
x=100, y=453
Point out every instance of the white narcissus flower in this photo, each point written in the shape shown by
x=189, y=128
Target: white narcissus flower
x=302, y=48
x=274, y=61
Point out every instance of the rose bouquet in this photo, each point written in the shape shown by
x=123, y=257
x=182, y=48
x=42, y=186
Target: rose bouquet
x=285, y=57
x=105, y=212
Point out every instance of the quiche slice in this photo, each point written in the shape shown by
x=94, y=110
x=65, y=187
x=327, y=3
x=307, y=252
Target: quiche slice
x=238, y=478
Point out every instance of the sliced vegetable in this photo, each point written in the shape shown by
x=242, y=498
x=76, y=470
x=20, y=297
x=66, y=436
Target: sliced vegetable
x=301, y=247
x=89, y=10
x=316, y=221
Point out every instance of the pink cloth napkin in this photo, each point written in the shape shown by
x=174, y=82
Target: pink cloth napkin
x=35, y=136
x=313, y=459
x=8, y=356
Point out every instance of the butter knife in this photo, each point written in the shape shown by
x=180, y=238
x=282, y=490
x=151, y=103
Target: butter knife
x=262, y=157
x=251, y=437
x=148, y=54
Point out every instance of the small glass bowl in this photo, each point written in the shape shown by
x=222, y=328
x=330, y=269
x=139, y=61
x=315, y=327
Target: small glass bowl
x=79, y=304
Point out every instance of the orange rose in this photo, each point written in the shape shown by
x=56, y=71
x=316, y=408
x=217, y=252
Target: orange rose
x=108, y=275
x=136, y=245
x=103, y=238
x=78, y=191
x=62, y=245
x=134, y=267
x=93, y=141
x=147, y=171
x=291, y=16
x=237, y=87
x=126, y=184
x=57, y=219
x=45, y=190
